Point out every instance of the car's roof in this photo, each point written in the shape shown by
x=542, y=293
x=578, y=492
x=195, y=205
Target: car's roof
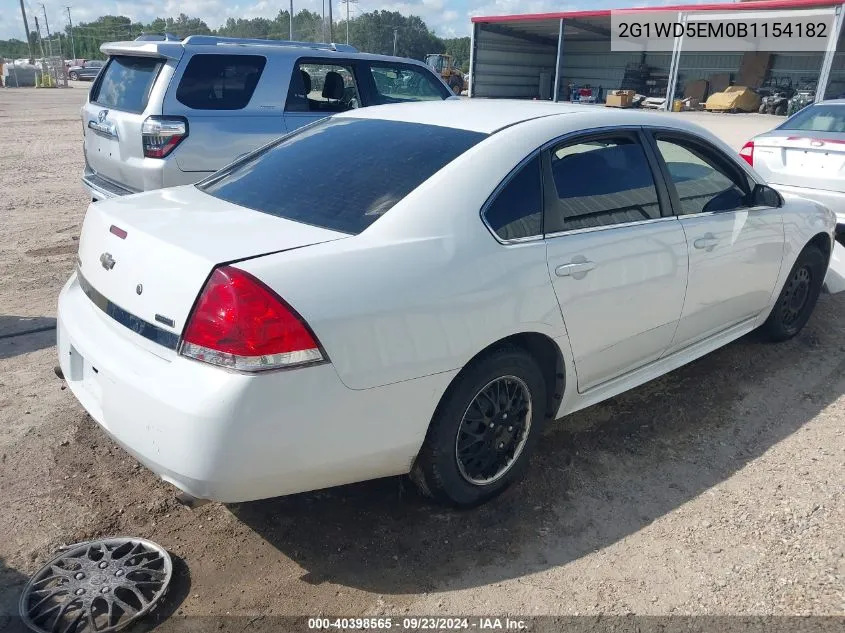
x=491, y=115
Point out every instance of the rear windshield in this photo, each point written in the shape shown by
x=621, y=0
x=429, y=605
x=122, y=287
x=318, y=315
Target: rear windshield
x=220, y=82
x=126, y=82
x=340, y=173
x=818, y=118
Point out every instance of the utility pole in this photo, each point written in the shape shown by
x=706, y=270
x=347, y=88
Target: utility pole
x=47, y=27
x=331, y=24
x=72, y=44
x=347, y=3
x=322, y=24
x=40, y=41
x=395, y=36
x=28, y=43
x=291, y=20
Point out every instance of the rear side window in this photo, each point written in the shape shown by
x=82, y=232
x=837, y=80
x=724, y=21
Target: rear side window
x=517, y=211
x=399, y=83
x=126, y=82
x=322, y=87
x=818, y=118
x=600, y=182
x=220, y=82
x=341, y=174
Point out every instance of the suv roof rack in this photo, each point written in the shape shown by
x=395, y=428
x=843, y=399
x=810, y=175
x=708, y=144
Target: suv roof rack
x=213, y=40
x=157, y=37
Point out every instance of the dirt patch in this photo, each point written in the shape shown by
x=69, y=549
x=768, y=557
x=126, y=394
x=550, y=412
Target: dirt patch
x=58, y=249
x=716, y=489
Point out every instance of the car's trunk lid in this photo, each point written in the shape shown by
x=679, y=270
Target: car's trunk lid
x=150, y=254
x=815, y=160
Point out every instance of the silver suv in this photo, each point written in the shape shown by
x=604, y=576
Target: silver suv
x=167, y=113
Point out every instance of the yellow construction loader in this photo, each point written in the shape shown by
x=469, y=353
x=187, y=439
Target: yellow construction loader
x=445, y=65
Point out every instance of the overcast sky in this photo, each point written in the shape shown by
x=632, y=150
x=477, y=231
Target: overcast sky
x=448, y=18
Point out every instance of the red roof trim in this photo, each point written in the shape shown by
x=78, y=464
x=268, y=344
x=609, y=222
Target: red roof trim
x=734, y=6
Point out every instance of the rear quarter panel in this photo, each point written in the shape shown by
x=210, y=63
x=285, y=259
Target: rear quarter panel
x=425, y=288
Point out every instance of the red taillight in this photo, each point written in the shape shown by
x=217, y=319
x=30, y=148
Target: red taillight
x=240, y=323
x=747, y=152
x=161, y=135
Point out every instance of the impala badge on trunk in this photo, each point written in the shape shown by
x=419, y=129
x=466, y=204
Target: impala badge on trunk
x=107, y=261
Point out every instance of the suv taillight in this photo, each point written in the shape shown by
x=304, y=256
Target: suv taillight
x=160, y=135
x=240, y=323
x=747, y=152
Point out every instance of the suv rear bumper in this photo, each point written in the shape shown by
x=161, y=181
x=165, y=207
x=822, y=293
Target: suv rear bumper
x=102, y=189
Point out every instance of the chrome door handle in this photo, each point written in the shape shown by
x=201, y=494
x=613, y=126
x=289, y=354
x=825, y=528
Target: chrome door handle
x=575, y=269
x=707, y=242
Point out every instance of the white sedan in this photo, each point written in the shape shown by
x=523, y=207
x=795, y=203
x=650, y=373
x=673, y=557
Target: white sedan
x=331, y=308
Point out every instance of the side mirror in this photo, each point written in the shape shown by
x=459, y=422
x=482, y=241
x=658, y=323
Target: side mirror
x=765, y=196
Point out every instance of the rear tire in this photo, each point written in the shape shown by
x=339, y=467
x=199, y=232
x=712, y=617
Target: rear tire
x=456, y=85
x=798, y=296
x=484, y=430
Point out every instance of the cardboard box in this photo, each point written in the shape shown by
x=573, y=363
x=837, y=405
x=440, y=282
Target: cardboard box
x=620, y=98
x=754, y=69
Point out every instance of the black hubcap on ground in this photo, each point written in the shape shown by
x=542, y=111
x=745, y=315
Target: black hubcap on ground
x=493, y=431
x=796, y=294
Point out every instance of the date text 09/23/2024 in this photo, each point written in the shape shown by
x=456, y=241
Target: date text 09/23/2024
x=418, y=623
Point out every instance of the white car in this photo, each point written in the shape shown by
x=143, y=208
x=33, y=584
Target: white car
x=331, y=309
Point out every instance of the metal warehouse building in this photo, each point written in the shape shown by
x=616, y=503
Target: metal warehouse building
x=542, y=55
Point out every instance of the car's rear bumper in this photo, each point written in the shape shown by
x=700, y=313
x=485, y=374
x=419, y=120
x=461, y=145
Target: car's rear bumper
x=230, y=436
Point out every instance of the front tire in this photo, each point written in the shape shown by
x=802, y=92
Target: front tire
x=484, y=429
x=73, y=77
x=798, y=296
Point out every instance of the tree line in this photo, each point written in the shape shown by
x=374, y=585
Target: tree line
x=374, y=32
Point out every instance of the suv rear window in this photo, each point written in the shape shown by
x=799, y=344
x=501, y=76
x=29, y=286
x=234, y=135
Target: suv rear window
x=126, y=82
x=340, y=173
x=220, y=82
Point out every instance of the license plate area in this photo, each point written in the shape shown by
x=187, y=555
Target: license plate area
x=807, y=160
x=86, y=374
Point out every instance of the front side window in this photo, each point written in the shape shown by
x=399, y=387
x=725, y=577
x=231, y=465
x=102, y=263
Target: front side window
x=703, y=185
x=599, y=182
x=398, y=83
x=327, y=88
x=126, y=82
x=517, y=210
x=340, y=173
x=220, y=82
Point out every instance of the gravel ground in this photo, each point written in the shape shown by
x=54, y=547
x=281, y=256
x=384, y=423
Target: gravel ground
x=717, y=489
